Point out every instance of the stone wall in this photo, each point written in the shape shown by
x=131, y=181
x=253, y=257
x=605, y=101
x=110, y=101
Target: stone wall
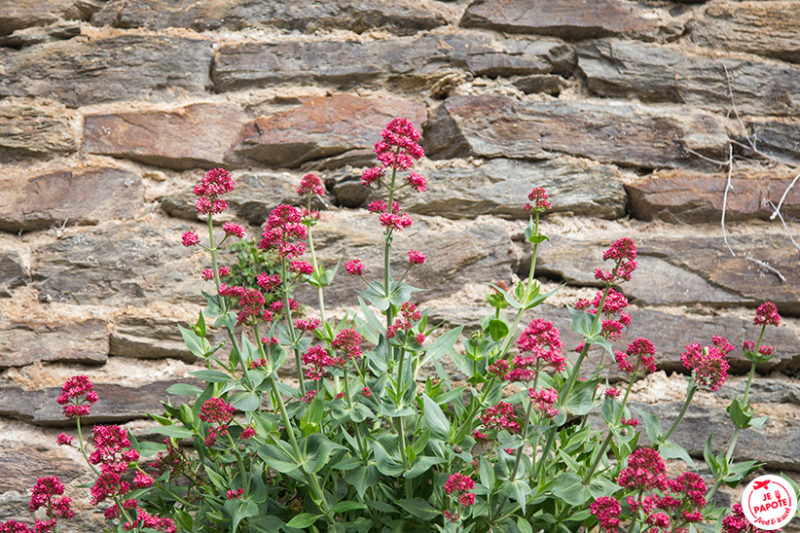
x=111, y=110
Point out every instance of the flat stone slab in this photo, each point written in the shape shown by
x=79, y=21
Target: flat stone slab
x=128, y=67
x=657, y=73
x=13, y=273
x=569, y=19
x=777, y=137
x=119, y=263
x=763, y=28
x=498, y=187
x=405, y=63
x=320, y=127
x=152, y=338
x=27, y=130
x=193, y=136
x=84, y=196
x=83, y=342
x=19, y=14
x=693, y=197
x=608, y=132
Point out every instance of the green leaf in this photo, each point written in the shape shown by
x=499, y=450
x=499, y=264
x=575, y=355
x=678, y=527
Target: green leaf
x=583, y=323
x=318, y=449
x=246, y=401
x=241, y=509
x=375, y=294
x=387, y=465
x=211, y=376
x=580, y=401
x=711, y=461
x=671, y=450
x=652, y=425
x=177, y=432
x=435, y=419
x=569, y=487
x=442, y=346
x=278, y=458
x=184, y=389
x=517, y=490
x=363, y=478
x=193, y=341
x=486, y=473
x=200, y=325
x=419, y=508
x=524, y=526
x=422, y=465
x=349, y=505
x=497, y=329
x=303, y=520
x=739, y=414
x=601, y=486
x=149, y=449
x=738, y=471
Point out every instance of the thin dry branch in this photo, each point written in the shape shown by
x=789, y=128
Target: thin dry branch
x=725, y=198
x=767, y=266
x=777, y=211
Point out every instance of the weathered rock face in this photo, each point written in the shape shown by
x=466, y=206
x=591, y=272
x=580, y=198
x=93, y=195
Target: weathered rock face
x=495, y=187
x=661, y=74
x=13, y=273
x=405, y=16
x=683, y=196
x=127, y=67
x=19, y=14
x=406, y=63
x=777, y=137
x=85, y=196
x=320, y=127
x=34, y=131
x=195, y=136
x=496, y=126
x=763, y=28
x=77, y=342
x=571, y=19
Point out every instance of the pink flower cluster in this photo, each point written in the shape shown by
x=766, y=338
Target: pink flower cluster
x=284, y=232
x=348, y=341
x=709, y=365
x=310, y=184
x=501, y=416
x=538, y=197
x=390, y=218
x=214, y=184
x=318, y=359
x=408, y=315
x=77, y=396
x=766, y=315
x=218, y=414
x=613, y=305
x=47, y=493
x=399, y=145
x=607, y=510
x=640, y=355
x=461, y=485
x=354, y=267
x=539, y=344
x=415, y=257
x=544, y=400
x=223, y=271
x=736, y=522
x=623, y=253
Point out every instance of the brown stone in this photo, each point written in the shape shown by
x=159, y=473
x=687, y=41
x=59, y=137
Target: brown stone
x=27, y=130
x=763, y=28
x=691, y=197
x=256, y=193
x=541, y=83
x=127, y=67
x=36, y=35
x=22, y=465
x=410, y=63
x=569, y=19
x=194, y=136
x=611, y=132
x=18, y=14
x=777, y=137
x=149, y=338
x=617, y=68
x=119, y=263
x=499, y=187
x=307, y=16
x=321, y=127
x=67, y=197
x=13, y=273
x=66, y=342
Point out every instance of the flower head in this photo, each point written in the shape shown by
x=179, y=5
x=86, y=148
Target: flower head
x=399, y=146
x=709, y=365
x=767, y=314
x=540, y=341
x=415, y=257
x=190, y=238
x=460, y=484
x=623, y=253
x=371, y=175
x=639, y=355
x=538, y=197
x=216, y=411
x=544, y=400
x=354, y=267
x=214, y=184
x=417, y=182
x=645, y=471
x=607, y=510
x=310, y=184
x=501, y=416
x=77, y=396
x=284, y=232
x=348, y=341
x=233, y=229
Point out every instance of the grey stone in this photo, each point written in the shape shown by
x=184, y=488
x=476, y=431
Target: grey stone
x=37, y=35
x=19, y=14
x=23, y=343
x=153, y=338
x=541, y=83
x=307, y=16
x=127, y=67
x=777, y=137
x=659, y=74
x=13, y=273
x=609, y=132
x=27, y=130
x=67, y=197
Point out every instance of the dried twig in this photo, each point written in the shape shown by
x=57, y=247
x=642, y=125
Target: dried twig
x=736, y=111
x=725, y=198
x=777, y=211
x=785, y=227
x=769, y=267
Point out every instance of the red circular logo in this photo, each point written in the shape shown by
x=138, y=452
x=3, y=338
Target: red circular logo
x=769, y=502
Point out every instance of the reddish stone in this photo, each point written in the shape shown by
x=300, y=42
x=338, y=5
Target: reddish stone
x=321, y=127
x=194, y=136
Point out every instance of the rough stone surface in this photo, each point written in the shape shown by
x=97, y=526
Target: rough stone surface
x=107, y=69
x=18, y=14
x=26, y=130
x=404, y=16
x=570, y=19
x=495, y=187
x=117, y=263
x=23, y=343
x=13, y=273
x=763, y=28
x=777, y=137
x=689, y=197
x=150, y=338
x=660, y=74
x=407, y=62
x=320, y=127
x=36, y=35
x=256, y=194
x=497, y=126
x=194, y=136
x=542, y=83
x=67, y=197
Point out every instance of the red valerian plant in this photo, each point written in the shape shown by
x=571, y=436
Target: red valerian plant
x=521, y=440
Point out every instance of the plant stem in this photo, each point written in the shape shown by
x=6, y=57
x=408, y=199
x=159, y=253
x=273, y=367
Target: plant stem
x=320, y=295
x=242, y=471
x=213, y=251
x=691, y=389
x=290, y=326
